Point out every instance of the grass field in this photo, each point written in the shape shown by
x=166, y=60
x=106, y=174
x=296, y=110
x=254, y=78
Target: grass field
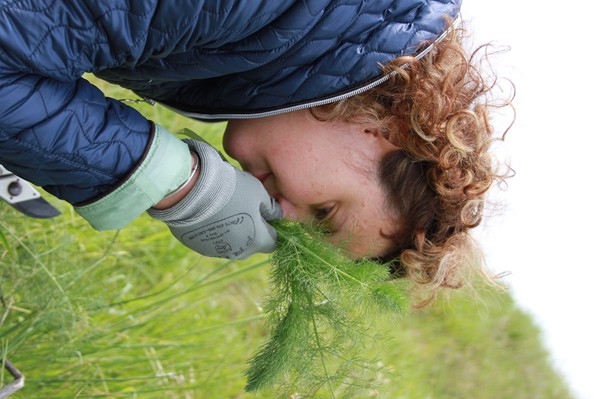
x=135, y=314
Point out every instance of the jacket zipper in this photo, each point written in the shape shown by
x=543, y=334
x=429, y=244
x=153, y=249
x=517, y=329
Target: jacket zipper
x=278, y=111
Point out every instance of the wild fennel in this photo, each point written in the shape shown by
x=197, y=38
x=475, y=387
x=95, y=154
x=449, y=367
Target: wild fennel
x=319, y=309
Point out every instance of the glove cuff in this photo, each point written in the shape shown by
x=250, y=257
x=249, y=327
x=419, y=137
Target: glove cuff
x=165, y=167
x=212, y=191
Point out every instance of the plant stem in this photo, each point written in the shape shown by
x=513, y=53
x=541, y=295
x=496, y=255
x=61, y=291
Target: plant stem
x=38, y=261
x=333, y=267
x=318, y=340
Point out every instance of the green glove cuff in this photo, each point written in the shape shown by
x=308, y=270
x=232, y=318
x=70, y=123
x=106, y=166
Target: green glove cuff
x=165, y=167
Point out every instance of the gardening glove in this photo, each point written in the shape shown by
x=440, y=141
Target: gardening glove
x=225, y=214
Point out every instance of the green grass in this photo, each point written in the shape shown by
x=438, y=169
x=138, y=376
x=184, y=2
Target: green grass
x=135, y=314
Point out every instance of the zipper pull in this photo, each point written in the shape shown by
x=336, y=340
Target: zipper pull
x=138, y=101
x=149, y=101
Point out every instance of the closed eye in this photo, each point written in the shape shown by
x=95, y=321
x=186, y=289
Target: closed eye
x=322, y=214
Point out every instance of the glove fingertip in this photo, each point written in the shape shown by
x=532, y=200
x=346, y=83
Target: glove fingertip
x=271, y=211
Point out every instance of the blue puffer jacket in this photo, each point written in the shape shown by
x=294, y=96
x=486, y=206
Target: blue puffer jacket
x=207, y=59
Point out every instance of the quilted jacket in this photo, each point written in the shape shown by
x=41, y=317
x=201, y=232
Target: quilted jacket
x=207, y=59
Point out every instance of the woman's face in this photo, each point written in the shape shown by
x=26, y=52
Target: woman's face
x=326, y=171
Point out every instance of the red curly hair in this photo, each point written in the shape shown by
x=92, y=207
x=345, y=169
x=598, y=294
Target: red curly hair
x=436, y=110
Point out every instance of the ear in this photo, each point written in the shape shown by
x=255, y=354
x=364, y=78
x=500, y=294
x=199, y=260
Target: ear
x=373, y=131
x=365, y=124
x=381, y=139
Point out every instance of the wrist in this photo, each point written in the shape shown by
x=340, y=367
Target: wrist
x=166, y=163
x=215, y=185
x=180, y=192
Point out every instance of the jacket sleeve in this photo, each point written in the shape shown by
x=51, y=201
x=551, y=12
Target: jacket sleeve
x=60, y=132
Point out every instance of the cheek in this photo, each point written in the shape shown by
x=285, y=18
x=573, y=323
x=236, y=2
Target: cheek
x=239, y=141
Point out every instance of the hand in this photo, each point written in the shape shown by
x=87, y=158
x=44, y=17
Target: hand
x=225, y=214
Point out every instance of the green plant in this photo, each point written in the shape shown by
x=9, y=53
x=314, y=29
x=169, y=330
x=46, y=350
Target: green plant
x=320, y=308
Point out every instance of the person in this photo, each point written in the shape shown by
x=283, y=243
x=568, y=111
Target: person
x=395, y=162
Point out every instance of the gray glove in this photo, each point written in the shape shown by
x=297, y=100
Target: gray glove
x=225, y=214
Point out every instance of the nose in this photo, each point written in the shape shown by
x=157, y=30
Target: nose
x=293, y=212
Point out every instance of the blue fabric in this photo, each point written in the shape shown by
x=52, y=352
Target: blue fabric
x=60, y=132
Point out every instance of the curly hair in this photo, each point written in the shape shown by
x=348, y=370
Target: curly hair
x=436, y=110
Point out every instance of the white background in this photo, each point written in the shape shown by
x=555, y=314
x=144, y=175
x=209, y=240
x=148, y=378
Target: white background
x=547, y=234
